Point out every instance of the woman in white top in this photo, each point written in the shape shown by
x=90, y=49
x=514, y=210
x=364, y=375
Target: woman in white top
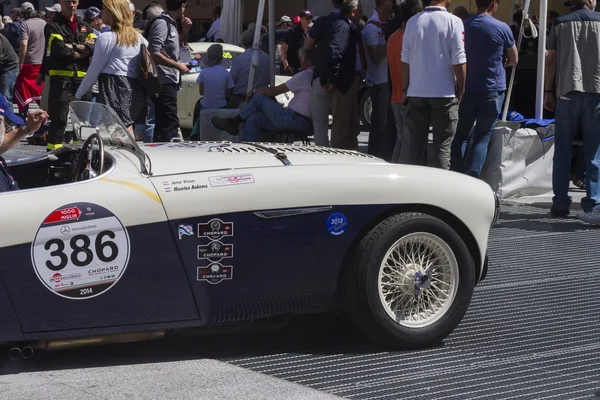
x=115, y=64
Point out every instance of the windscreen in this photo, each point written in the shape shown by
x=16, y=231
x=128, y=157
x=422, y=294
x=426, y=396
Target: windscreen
x=89, y=117
x=198, y=59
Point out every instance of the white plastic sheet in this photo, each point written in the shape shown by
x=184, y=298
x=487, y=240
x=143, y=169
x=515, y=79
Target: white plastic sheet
x=231, y=21
x=518, y=162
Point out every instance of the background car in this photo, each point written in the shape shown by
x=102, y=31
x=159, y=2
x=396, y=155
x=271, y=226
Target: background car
x=188, y=95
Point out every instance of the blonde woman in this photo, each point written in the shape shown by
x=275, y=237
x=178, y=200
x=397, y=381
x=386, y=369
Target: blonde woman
x=115, y=65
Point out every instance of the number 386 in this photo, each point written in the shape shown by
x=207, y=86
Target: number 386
x=82, y=255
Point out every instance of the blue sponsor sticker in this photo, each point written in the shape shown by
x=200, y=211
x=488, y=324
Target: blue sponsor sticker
x=337, y=223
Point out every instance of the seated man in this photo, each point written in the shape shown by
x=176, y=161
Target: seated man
x=214, y=84
x=263, y=113
x=35, y=119
x=240, y=70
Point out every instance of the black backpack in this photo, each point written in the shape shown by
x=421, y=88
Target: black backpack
x=148, y=73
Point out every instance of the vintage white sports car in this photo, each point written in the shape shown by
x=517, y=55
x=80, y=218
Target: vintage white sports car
x=189, y=94
x=116, y=242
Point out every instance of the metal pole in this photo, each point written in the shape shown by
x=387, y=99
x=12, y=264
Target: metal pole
x=541, y=61
x=514, y=68
x=272, y=40
x=255, y=46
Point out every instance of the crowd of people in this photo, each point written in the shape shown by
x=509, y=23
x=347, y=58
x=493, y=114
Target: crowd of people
x=424, y=67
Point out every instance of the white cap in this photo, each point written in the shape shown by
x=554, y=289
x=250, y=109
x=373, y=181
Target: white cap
x=54, y=8
x=131, y=7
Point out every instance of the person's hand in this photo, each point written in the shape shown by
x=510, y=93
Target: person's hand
x=186, y=24
x=251, y=94
x=183, y=68
x=459, y=94
x=549, y=101
x=35, y=119
x=39, y=80
x=328, y=87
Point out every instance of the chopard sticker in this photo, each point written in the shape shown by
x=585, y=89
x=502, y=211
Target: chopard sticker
x=228, y=180
x=215, y=273
x=79, y=255
x=215, y=229
x=215, y=251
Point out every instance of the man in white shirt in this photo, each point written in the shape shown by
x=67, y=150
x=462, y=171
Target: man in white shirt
x=433, y=75
x=373, y=37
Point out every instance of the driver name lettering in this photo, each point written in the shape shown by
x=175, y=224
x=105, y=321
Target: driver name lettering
x=183, y=185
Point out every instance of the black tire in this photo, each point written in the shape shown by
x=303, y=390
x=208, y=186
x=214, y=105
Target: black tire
x=361, y=291
x=365, y=115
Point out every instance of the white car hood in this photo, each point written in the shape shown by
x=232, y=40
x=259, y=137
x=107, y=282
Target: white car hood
x=176, y=158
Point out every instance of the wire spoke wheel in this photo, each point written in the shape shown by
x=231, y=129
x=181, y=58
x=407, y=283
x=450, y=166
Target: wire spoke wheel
x=418, y=280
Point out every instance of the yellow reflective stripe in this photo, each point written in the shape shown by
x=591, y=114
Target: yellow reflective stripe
x=52, y=37
x=91, y=36
x=58, y=72
x=51, y=146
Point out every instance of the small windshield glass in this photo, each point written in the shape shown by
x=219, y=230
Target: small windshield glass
x=87, y=117
x=197, y=61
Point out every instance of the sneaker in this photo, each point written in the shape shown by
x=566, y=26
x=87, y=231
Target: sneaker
x=592, y=217
x=225, y=124
x=557, y=212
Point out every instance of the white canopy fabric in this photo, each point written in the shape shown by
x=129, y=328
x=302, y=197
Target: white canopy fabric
x=231, y=21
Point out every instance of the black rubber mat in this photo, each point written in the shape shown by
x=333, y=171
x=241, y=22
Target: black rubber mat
x=532, y=330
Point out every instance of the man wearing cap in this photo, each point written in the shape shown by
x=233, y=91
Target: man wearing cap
x=35, y=119
x=52, y=12
x=70, y=44
x=294, y=41
x=31, y=55
x=93, y=16
x=284, y=23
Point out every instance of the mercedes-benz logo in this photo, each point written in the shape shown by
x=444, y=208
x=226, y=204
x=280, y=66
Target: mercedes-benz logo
x=65, y=230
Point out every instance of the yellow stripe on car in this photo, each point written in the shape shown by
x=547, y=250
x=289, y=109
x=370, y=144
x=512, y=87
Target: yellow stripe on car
x=139, y=188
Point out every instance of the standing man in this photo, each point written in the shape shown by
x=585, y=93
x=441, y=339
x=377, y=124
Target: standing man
x=317, y=40
x=293, y=42
x=374, y=41
x=163, y=41
x=572, y=90
x=31, y=56
x=490, y=47
x=9, y=69
x=408, y=9
x=70, y=44
x=433, y=75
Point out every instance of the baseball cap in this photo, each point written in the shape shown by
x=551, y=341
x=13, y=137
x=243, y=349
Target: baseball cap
x=296, y=19
x=6, y=111
x=213, y=54
x=91, y=13
x=54, y=8
x=27, y=6
x=285, y=19
x=305, y=14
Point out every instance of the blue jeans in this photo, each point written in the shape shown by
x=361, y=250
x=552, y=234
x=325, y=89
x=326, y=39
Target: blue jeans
x=481, y=109
x=7, y=84
x=264, y=114
x=572, y=110
x=148, y=128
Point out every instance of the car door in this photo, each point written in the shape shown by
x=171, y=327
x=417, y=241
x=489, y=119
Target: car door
x=92, y=254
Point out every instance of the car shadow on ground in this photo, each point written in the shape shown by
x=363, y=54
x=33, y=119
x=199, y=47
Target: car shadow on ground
x=314, y=334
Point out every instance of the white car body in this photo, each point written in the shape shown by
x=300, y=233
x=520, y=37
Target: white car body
x=189, y=94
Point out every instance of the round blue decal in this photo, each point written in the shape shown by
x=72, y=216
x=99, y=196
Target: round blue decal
x=337, y=223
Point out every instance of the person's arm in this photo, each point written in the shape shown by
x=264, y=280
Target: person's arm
x=201, y=89
x=22, y=52
x=310, y=41
x=35, y=119
x=284, y=61
x=270, y=91
x=550, y=75
x=103, y=48
x=405, y=58
x=512, y=56
x=458, y=57
x=376, y=51
x=338, y=45
x=65, y=51
x=156, y=38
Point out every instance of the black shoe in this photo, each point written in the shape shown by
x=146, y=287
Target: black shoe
x=226, y=124
x=557, y=212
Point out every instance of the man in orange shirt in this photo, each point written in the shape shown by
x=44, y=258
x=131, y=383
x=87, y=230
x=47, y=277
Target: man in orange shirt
x=408, y=8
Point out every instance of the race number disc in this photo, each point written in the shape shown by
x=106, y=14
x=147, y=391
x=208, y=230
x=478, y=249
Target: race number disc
x=80, y=250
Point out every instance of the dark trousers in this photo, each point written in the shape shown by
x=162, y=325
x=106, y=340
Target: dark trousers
x=61, y=89
x=378, y=138
x=442, y=114
x=165, y=109
x=346, y=122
